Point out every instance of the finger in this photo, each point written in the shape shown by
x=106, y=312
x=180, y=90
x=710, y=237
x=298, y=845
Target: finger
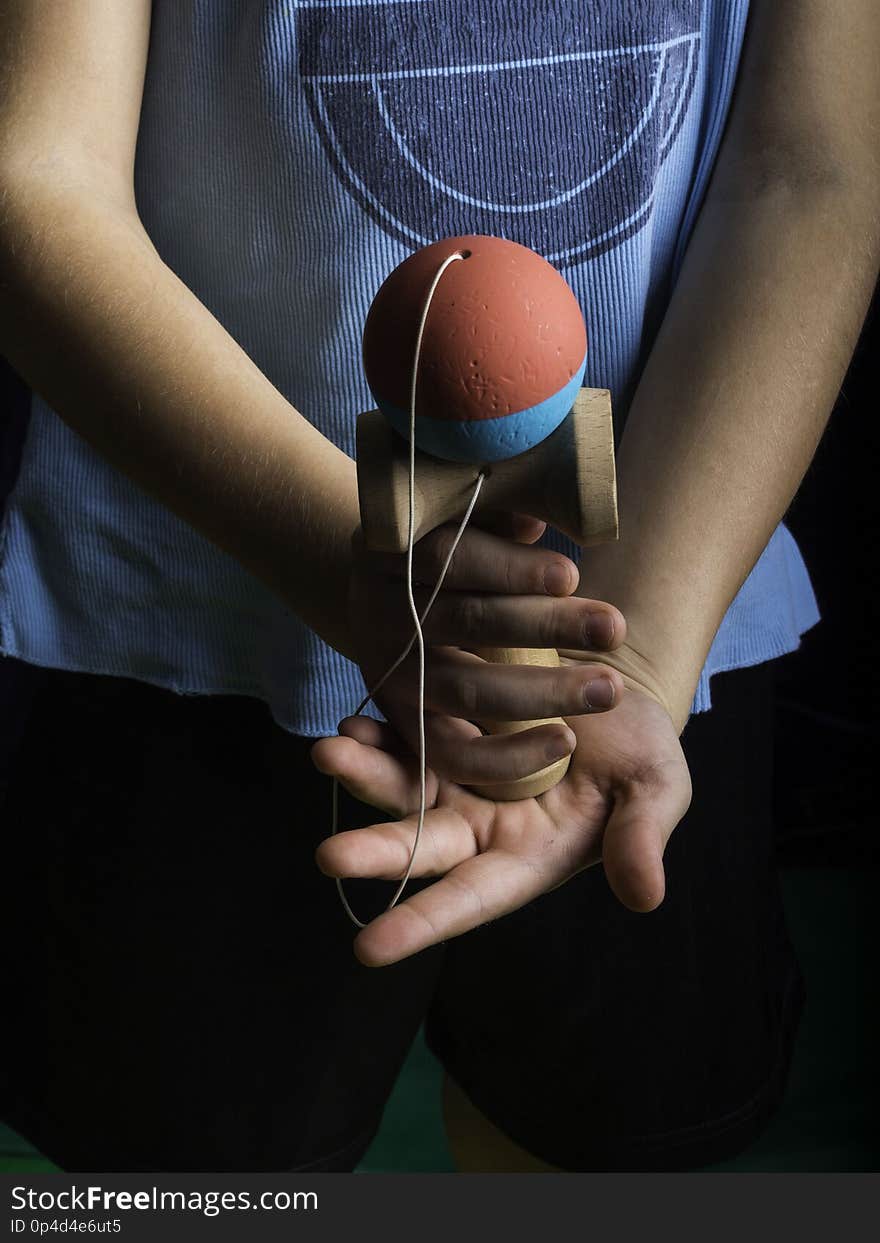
x=382, y=851
x=520, y=527
x=641, y=823
x=462, y=685
x=457, y=751
x=375, y=777
x=374, y=733
x=521, y=621
x=483, y=562
x=475, y=892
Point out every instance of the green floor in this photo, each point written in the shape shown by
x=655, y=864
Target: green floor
x=828, y=1120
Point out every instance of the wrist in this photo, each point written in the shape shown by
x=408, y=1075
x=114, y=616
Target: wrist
x=318, y=589
x=641, y=673
x=668, y=630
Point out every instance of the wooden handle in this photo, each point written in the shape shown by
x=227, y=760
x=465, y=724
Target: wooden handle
x=545, y=778
x=567, y=480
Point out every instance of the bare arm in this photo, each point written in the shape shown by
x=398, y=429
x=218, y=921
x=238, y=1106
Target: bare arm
x=756, y=341
x=97, y=324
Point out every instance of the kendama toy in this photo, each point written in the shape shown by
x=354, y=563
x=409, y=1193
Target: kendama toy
x=498, y=392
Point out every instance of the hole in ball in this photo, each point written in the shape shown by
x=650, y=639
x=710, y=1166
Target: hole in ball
x=464, y=254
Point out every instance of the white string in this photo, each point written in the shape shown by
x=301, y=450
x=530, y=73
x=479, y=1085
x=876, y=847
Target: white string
x=418, y=622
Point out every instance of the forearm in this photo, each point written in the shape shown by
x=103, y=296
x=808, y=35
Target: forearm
x=729, y=410
x=125, y=353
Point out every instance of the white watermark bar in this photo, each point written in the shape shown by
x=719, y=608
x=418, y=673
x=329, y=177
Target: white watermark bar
x=425, y=1207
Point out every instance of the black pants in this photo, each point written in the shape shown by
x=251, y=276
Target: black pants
x=181, y=992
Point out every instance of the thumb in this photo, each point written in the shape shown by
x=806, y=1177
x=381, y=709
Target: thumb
x=641, y=822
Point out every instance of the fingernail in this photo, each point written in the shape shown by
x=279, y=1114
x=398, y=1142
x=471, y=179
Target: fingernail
x=559, y=748
x=557, y=580
x=600, y=628
x=599, y=693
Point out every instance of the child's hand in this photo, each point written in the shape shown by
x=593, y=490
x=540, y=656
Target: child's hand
x=626, y=789
x=497, y=592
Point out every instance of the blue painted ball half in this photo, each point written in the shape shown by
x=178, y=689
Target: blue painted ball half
x=488, y=440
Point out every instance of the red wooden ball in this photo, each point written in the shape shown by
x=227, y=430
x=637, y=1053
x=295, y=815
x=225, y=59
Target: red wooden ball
x=503, y=353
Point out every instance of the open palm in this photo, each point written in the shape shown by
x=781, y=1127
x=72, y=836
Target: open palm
x=626, y=789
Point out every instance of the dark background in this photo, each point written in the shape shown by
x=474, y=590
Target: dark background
x=827, y=720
